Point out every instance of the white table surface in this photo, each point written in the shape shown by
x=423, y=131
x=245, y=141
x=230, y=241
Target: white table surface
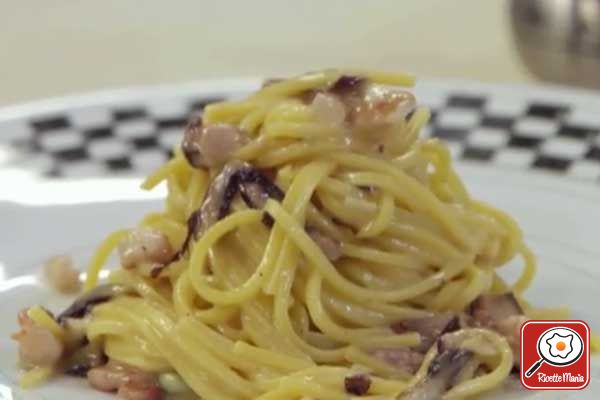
x=56, y=47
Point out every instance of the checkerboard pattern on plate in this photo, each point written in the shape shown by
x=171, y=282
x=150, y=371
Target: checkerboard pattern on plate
x=98, y=141
x=126, y=139
x=543, y=136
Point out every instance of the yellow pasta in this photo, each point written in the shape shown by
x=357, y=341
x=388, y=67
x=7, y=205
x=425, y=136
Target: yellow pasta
x=292, y=296
x=42, y=318
x=35, y=377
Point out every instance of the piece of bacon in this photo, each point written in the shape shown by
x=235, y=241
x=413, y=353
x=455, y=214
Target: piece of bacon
x=429, y=328
x=37, y=344
x=487, y=310
x=329, y=246
x=502, y=313
x=129, y=382
x=144, y=245
x=61, y=274
x=401, y=358
x=211, y=145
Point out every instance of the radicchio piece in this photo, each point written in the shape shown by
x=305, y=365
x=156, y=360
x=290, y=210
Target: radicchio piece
x=189, y=146
x=253, y=195
x=347, y=84
x=193, y=227
x=236, y=177
x=83, y=360
x=270, y=81
x=247, y=175
x=85, y=303
x=358, y=384
x=78, y=370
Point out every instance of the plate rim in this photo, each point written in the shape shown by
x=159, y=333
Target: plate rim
x=588, y=99
x=220, y=86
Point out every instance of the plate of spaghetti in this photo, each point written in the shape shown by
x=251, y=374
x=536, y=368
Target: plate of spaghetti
x=326, y=236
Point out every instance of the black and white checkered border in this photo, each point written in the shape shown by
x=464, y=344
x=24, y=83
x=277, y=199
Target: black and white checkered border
x=543, y=136
x=554, y=136
x=96, y=141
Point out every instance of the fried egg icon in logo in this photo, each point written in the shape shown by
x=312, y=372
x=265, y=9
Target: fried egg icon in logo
x=560, y=346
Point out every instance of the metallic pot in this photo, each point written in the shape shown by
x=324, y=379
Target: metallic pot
x=559, y=40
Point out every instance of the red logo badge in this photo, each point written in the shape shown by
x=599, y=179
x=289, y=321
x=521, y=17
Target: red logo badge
x=555, y=355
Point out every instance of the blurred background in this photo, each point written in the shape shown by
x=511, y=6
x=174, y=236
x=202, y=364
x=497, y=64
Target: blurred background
x=57, y=47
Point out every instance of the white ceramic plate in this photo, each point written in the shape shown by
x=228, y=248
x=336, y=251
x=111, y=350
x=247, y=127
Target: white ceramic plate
x=557, y=206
